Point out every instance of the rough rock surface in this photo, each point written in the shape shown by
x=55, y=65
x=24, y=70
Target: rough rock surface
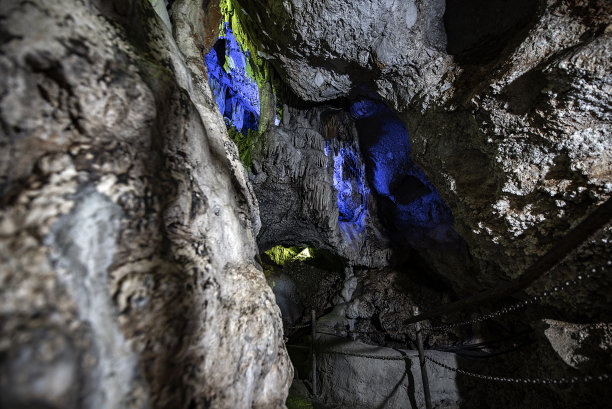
x=331, y=49
x=316, y=180
x=521, y=151
x=300, y=288
x=508, y=110
x=293, y=180
x=344, y=379
x=581, y=346
x=126, y=225
x=507, y=105
x=383, y=300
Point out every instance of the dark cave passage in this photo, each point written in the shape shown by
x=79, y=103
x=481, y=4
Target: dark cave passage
x=355, y=231
x=289, y=204
x=479, y=30
x=401, y=187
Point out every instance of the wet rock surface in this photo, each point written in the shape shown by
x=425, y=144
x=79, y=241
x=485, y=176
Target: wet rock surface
x=520, y=153
x=129, y=227
x=126, y=225
x=328, y=50
x=509, y=117
x=507, y=111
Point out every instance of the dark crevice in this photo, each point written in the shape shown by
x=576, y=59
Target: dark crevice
x=479, y=30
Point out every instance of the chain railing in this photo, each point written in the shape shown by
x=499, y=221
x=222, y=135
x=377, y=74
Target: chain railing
x=521, y=304
x=299, y=326
x=534, y=381
x=404, y=357
x=445, y=328
x=573, y=240
x=368, y=356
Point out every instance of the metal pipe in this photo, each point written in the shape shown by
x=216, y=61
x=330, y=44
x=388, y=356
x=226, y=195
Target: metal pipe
x=422, y=364
x=314, y=356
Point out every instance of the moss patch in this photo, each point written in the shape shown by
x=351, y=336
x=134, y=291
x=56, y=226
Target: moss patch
x=296, y=402
x=281, y=255
x=249, y=145
x=259, y=68
x=322, y=259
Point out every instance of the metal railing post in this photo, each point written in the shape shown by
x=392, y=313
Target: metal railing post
x=422, y=363
x=314, y=356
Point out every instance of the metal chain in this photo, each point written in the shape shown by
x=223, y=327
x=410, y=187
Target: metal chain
x=533, y=300
x=380, y=357
x=535, y=381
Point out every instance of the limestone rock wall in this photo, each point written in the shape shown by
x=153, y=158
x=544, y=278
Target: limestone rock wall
x=331, y=49
x=126, y=224
x=296, y=179
x=507, y=107
x=521, y=151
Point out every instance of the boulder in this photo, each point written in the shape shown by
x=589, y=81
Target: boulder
x=126, y=223
x=355, y=375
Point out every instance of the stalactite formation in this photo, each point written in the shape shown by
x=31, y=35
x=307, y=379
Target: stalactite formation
x=185, y=184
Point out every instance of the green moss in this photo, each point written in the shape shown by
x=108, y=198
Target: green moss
x=249, y=70
x=232, y=14
x=281, y=255
x=322, y=259
x=257, y=67
x=296, y=402
x=248, y=146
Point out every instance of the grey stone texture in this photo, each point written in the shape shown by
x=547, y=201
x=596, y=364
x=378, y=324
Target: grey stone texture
x=126, y=222
x=293, y=179
x=521, y=150
x=368, y=382
x=326, y=49
x=507, y=106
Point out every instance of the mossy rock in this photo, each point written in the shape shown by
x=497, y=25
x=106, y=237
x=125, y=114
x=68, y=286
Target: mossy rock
x=322, y=259
x=297, y=402
x=248, y=145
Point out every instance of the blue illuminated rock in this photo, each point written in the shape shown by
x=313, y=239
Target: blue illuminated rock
x=231, y=80
x=391, y=170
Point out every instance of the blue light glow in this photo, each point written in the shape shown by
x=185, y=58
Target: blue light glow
x=391, y=171
x=235, y=91
x=349, y=180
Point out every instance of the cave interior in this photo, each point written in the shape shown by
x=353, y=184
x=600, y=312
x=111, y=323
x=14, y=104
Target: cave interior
x=272, y=204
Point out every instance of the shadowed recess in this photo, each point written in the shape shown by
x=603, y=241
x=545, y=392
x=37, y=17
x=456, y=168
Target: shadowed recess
x=478, y=30
x=349, y=180
x=391, y=171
